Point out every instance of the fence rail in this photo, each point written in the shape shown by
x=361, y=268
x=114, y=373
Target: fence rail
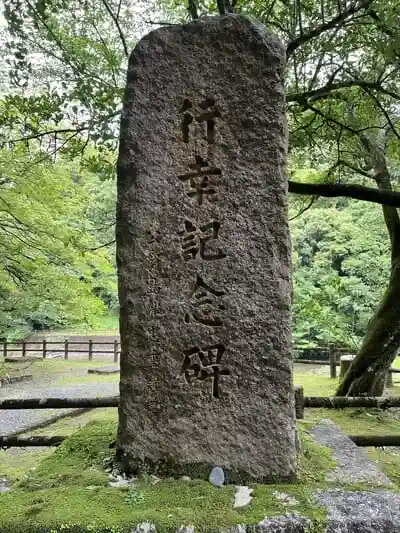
x=43, y=440
x=65, y=347
x=24, y=442
x=301, y=402
x=59, y=403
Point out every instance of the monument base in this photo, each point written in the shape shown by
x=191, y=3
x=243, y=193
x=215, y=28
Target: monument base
x=172, y=468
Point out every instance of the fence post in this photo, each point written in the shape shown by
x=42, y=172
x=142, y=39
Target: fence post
x=5, y=349
x=66, y=349
x=44, y=349
x=299, y=402
x=23, y=349
x=332, y=361
x=389, y=380
x=90, y=349
x=115, y=351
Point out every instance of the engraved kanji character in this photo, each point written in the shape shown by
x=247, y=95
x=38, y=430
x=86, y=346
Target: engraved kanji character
x=208, y=113
x=187, y=119
x=203, y=301
x=195, y=241
x=204, y=363
x=199, y=178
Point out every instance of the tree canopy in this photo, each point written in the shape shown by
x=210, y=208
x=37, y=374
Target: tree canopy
x=48, y=243
x=60, y=105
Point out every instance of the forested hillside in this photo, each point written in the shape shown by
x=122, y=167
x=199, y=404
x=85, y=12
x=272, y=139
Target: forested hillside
x=63, y=74
x=58, y=267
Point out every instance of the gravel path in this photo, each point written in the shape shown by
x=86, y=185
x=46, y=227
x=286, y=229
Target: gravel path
x=15, y=421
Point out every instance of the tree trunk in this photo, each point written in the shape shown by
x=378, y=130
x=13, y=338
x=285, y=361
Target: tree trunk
x=367, y=373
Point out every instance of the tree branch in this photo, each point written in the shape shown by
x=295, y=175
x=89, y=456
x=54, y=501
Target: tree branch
x=330, y=119
x=358, y=192
x=50, y=132
x=385, y=113
x=101, y=246
x=117, y=25
x=342, y=162
x=336, y=21
x=382, y=178
x=304, y=209
x=160, y=23
x=325, y=91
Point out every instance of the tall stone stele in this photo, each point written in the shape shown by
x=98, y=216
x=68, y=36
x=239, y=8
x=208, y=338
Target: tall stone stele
x=203, y=255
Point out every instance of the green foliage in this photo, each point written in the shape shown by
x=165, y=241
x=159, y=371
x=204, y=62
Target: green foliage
x=341, y=259
x=315, y=460
x=49, y=266
x=70, y=487
x=341, y=82
x=134, y=496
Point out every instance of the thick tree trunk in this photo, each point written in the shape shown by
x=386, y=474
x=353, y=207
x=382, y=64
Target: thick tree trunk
x=367, y=373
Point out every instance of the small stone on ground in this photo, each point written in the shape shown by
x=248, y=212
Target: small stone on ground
x=217, y=477
x=5, y=484
x=242, y=496
x=118, y=481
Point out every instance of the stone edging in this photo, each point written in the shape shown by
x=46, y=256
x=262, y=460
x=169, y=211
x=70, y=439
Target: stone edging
x=7, y=381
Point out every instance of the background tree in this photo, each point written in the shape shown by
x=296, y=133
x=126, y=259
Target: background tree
x=48, y=246
x=343, y=62
x=341, y=263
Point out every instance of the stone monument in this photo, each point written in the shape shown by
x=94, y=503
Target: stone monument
x=203, y=255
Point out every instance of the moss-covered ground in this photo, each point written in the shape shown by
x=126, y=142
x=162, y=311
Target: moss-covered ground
x=70, y=487
x=57, y=488
x=316, y=382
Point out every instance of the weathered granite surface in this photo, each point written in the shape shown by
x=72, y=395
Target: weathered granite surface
x=203, y=255
x=353, y=463
x=361, y=512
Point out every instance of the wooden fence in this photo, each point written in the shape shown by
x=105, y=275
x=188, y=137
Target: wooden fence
x=301, y=402
x=333, y=360
x=65, y=348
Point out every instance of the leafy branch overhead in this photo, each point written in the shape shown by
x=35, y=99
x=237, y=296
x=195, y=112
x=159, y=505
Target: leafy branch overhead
x=65, y=66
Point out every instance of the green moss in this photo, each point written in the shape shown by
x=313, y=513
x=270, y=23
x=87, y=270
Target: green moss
x=315, y=460
x=16, y=462
x=315, y=384
x=70, y=486
x=388, y=460
x=62, y=381
x=359, y=421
